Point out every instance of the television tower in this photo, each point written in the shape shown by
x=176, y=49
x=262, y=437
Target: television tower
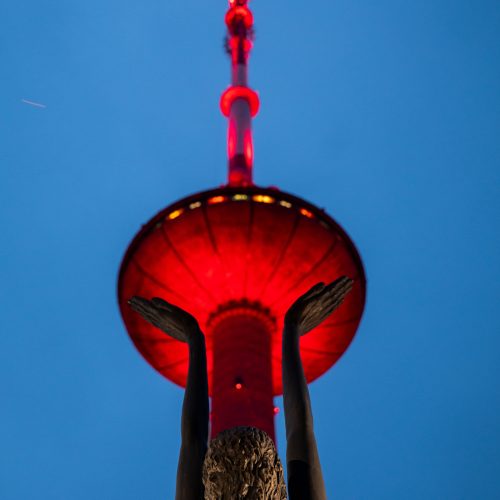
x=236, y=258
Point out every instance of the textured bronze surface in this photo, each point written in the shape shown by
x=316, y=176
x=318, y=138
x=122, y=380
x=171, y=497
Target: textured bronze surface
x=242, y=462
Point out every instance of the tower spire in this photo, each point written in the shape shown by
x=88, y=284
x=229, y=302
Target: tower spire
x=239, y=103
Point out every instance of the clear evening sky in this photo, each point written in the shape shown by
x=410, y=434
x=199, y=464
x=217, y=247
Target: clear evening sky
x=386, y=113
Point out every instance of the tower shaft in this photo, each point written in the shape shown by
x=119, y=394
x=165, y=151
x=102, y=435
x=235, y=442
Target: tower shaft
x=242, y=391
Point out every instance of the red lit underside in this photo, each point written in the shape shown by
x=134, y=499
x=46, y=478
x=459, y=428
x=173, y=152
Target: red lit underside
x=223, y=252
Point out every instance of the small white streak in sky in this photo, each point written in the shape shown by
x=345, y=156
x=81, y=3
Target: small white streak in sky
x=32, y=103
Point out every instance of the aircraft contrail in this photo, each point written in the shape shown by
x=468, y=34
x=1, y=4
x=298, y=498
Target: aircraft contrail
x=32, y=103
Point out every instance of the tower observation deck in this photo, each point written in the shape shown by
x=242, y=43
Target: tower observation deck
x=236, y=258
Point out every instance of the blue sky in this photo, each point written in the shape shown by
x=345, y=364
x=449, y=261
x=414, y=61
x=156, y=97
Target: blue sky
x=385, y=113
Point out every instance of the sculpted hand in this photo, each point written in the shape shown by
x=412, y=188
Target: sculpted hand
x=170, y=319
x=316, y=305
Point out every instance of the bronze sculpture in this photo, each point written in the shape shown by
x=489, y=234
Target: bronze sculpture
x=209, y=475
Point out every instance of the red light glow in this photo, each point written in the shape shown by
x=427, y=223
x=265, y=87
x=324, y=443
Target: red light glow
x=238, y=386
x=216, y=199
x=231, y=139
x=306, y=213
x=248, y=147
x=234, y=44
x=233, y=93
x=240, y=197
x=262, y=198
x=276, y=410
x=175, y=214
x=239, y=14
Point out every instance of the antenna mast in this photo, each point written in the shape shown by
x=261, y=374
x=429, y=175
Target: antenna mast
x=239, y=103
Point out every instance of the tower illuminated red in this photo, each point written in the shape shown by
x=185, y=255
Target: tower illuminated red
x=236, y=257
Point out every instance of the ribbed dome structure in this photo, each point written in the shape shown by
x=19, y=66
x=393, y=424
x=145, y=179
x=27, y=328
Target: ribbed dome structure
x=238, y=248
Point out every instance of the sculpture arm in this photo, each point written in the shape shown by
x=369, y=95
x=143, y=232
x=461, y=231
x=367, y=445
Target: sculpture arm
x=305, y=478
x=194, y=425
x=180, y=325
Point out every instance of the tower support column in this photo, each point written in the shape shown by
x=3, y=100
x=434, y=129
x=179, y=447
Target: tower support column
x=242, y=392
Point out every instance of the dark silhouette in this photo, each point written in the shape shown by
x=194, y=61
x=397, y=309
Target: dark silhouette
x=215, y=475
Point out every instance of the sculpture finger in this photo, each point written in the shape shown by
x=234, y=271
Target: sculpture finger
x=326, y=294
x=151, y=317
x=148, y=314
x=146, y=310
x=172, y=328
x=149, y=309
x=138, y=301
x=140, y=305
x=315, y=297
x=315, y=321
x=162, y=304
x=176, y=313
x=309, y=307
x=162, y=323
x=338, y=284
x=317, y=317
x=166, y=327
x=157, y=317
x=176, y=334
x=340, y=290
x=340, y=293
x=332, y=308
x=317, y=288
x=309, y=325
